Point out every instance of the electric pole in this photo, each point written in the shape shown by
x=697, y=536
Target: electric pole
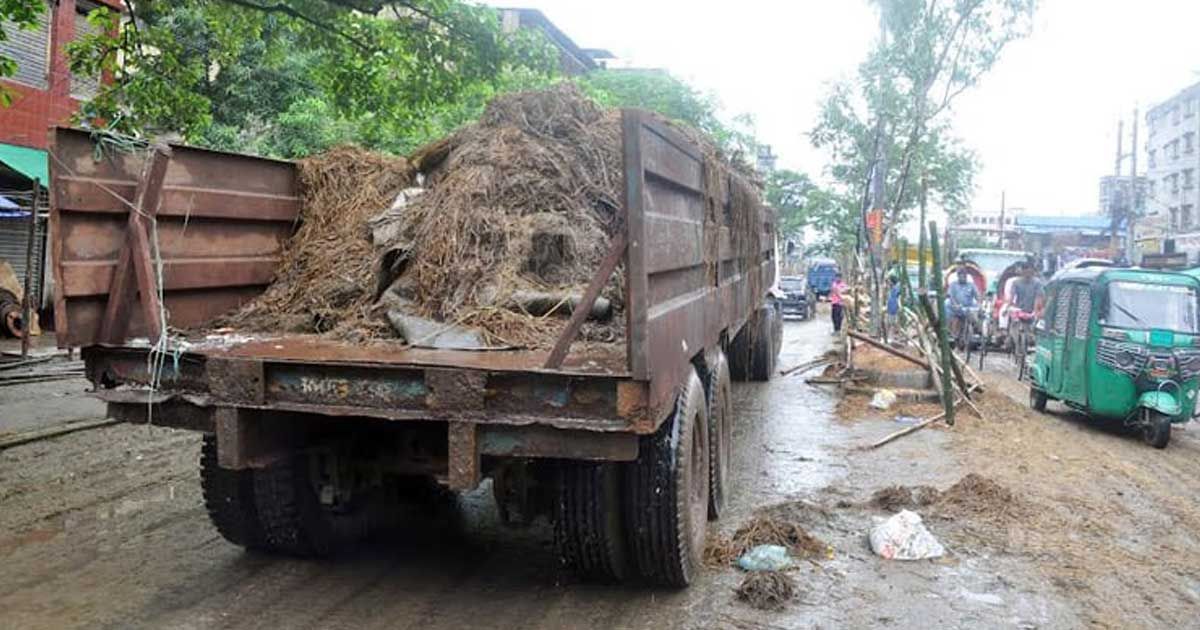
x=1114, y=210
x=1131, y=215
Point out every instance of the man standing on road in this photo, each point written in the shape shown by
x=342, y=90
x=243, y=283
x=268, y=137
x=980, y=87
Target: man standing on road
x=893, y=304
x=835, y=302
x=964, y=297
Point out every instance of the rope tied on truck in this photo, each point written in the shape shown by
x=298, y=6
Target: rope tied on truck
x=143, y=209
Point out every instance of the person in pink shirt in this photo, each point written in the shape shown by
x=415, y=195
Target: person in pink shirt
x=835, y=301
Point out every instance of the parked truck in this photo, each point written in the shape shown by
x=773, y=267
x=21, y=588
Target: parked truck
x=308, y=441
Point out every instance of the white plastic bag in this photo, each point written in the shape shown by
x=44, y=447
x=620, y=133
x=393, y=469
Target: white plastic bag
x=883, y=399
x=904, y=537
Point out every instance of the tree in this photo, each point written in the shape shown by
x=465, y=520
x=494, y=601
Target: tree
x=659, y=91
x=890, y=141
x=930, y=52
x=288, y=77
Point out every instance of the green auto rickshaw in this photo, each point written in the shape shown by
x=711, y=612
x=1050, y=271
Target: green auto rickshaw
x=1120, y=344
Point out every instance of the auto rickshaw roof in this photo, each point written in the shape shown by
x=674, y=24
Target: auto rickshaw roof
x=1136, y=274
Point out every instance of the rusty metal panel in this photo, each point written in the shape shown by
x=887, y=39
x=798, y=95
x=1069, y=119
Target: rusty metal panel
x=540, y=441
x=221, y=226
x=690, y=281
x=236, y=381
x=463, y=453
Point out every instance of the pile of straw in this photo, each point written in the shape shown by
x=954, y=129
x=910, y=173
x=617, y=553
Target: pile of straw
x=524, y=200
x=326, y=276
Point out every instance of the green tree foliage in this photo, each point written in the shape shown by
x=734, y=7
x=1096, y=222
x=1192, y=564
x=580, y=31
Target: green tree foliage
x=897, y=110
x=659, y=91
x=290, y=77
x=21, y=14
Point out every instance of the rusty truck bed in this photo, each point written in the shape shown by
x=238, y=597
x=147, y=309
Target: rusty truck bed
x=221, y=223
x=304, y=373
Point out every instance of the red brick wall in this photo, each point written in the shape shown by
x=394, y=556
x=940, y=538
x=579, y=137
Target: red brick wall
x=33, y=112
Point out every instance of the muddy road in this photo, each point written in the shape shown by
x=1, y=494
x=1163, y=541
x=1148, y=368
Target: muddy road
x=106, y=529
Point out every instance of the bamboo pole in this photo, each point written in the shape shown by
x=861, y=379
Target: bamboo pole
x=888, y=349
x=942, y=334
x=26, y=299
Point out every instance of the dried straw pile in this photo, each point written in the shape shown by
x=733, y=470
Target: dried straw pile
x=767, y=590
x=524, y=200
x=326, y=278
x=765, y=529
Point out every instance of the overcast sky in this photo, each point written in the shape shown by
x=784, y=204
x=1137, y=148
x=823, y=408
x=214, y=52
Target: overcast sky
x=1043, y=122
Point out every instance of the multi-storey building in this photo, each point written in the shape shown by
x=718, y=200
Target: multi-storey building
x=1173, y=166
x=44, y=93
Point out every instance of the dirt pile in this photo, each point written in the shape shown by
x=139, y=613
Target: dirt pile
x=973, y=497
x=977, y=496
x=765, y=529
x=896, y=498
x=326, y=277
x=767, y=590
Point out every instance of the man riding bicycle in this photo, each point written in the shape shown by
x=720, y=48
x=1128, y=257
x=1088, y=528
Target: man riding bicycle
x=962, y=302
x=1026, y=300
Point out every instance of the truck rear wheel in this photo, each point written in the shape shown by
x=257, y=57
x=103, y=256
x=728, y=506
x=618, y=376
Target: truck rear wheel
x=766, y=343
x=720, y=435
x=229, y=499
x=667, y=493
x=589, y=528
x=277, y=508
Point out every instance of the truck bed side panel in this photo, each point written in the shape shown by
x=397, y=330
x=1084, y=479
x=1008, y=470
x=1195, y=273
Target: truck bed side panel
x=221, y=225
x=689, y=279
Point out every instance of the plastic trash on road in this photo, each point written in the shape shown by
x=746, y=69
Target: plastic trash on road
x=766, y=558
x=904, y=537
x=883, y=399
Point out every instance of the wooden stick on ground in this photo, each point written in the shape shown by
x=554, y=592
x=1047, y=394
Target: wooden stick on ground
x=888, y=349
x=808, y=365
x=913, y=429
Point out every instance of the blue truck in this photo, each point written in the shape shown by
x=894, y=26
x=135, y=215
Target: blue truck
x=821, y=272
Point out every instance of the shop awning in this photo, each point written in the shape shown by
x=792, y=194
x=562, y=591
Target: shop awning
x=30, y=163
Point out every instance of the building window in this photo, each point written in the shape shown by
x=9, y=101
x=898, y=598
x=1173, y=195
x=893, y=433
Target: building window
x=1187, y=178
x=1174, y=146
x=1185, y=217
x=1189, y=142
x=84, y=88
x=1189, y=107
x=1174, y=177
x=1152, y=189
x=1175, y=115
x=31, y=50
x=1152, y=153
x=1174, y=218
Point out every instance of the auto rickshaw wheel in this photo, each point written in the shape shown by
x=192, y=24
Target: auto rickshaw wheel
x=1156, y=428
x=1037, y=399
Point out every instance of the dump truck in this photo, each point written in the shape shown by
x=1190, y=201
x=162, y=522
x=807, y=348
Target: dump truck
x=310, y=442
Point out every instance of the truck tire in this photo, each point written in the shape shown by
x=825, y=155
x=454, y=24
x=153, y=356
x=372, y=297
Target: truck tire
x=229, y=499
x=720, y=435
x=766, y=343
x=738, y=352
x=589, y=529
x=667, y=493
x=293, y=521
